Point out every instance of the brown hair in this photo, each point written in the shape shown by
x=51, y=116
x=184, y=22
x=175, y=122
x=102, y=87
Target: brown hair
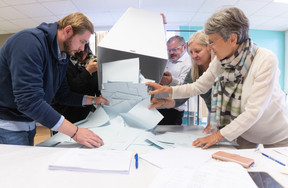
x=79, y=22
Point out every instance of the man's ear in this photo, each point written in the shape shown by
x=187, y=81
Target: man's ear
x=68, y=31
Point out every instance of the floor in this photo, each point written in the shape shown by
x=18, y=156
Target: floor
x=42, y=133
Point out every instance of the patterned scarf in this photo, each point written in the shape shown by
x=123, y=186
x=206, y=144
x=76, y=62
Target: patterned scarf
x=227, y=89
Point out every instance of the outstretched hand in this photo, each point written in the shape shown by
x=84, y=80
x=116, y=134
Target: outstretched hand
x=164, y=103
x=158, y=88
x=100, y=99
x=207, y=141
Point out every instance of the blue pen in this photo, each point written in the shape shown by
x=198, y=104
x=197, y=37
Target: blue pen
x=136, y=160
x=273, y=159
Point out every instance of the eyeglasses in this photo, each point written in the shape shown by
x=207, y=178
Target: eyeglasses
x=174, y=49
x=212, y=43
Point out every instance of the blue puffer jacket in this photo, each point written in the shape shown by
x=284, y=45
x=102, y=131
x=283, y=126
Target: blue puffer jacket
x=31, y=75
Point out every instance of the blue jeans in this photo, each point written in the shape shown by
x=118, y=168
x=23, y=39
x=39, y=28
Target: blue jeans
x=17, y=137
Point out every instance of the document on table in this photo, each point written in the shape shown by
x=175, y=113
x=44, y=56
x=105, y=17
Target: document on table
x=219, y=174
x=172, y=139
x=93, y=160
x=178, y=157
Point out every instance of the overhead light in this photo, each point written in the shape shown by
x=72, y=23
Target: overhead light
x=281, y=1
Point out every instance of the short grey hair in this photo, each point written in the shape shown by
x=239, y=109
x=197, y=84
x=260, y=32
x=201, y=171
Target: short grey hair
x=228, y=21
x=180, y=40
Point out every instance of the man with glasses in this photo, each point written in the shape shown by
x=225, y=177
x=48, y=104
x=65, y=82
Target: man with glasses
x=177, y=67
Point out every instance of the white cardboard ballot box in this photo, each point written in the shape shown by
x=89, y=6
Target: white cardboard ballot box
x=137, y=34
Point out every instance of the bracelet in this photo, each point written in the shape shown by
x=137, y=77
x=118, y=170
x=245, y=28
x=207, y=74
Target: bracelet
x=75, y=132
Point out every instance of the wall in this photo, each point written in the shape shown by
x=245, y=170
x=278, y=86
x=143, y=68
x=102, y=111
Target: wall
x=3, y=38
x=272, y=40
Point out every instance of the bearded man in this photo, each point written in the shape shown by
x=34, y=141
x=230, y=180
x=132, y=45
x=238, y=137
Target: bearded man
x=33, y=64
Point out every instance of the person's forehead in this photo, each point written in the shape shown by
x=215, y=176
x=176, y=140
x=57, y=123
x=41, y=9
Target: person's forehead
x=84, y=36
x=173, y=43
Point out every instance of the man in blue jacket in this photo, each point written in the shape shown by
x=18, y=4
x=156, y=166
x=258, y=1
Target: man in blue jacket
x=33, y=65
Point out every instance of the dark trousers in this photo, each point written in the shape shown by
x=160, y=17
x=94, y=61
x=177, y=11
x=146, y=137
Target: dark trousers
x=171, y=117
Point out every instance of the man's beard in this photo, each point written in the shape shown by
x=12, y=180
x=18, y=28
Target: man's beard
x=67, y=46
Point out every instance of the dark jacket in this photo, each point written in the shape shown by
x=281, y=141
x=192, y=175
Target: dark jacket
x=80, y=81
x=31, y=75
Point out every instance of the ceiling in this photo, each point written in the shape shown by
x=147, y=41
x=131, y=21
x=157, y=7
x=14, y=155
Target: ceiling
x=16, y=15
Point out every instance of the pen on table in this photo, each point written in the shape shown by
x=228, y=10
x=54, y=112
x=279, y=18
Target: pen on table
x=273, y=159
x=136, y=160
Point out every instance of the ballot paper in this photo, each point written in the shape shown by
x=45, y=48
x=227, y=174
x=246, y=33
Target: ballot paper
x=178, y=157
x=142, y=117
x=126, y=70
x=216, y=175
x=93, y=160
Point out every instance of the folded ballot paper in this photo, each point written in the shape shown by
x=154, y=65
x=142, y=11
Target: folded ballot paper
x=92, y=160
x=128, y=95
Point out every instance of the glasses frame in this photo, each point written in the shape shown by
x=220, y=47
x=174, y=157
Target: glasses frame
x=212, y=43
x=174, y=49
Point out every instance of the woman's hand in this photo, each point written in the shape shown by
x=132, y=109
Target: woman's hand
x=92, y=66
x=208, y=129
x=158, y=88
x=207, y=141
x=164, y=103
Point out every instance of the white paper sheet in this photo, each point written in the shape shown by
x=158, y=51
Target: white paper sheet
x=142, y=117
x=178, y=157
x=92, y=160
x=216, y=175
x=121, y=71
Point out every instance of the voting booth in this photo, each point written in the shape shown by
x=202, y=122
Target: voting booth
x=137, y=34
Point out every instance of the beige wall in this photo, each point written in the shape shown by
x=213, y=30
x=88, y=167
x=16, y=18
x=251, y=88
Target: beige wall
x=3, y=38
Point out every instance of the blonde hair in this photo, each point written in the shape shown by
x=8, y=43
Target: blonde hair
x=200, y=38
x=79, y=22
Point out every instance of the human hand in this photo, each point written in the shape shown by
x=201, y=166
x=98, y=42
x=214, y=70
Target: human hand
x=88, y=138
x=99, y=100
x=207, y=141
x=208, y=129
x=158, y=88
x=166, y=78
x=166, y=103
x=92, y=66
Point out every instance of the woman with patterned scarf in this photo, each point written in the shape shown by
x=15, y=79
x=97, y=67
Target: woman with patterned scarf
x=248, y=104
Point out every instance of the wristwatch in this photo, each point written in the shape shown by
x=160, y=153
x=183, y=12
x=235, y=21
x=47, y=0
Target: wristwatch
x=93, y=102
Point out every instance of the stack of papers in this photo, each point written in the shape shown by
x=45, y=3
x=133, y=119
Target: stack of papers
x=93, y=160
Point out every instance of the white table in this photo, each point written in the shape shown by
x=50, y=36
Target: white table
x=27, y=166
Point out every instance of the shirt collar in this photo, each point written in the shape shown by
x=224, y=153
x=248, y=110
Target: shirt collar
x=61, y=55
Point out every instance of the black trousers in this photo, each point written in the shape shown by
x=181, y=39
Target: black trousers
x=171, y=117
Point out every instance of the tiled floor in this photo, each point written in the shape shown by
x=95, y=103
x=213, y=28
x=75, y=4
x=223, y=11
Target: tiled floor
x=42, y=133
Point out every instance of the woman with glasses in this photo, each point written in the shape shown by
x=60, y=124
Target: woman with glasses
x=200, y=53
x=248, y=104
